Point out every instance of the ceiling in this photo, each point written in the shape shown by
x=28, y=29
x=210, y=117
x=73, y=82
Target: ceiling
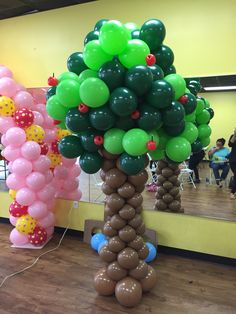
x=11, y=8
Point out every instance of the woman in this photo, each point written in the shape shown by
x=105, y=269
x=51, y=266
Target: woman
x=218, y=156
x=232, y=162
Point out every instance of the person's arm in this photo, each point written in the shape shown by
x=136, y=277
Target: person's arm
x=212, y=152
x=232, y=140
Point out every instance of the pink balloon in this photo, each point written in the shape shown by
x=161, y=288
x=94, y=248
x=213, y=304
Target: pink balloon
x=48, y=122
x=74, y=171
x=61, y=194
x=40, y=108
x=35, y=181
x=46, y=193
x=10, y=166
x=70, y=185
x=39, y=95
x=68, y=162
x=48, y=176
x=6, y=123
x=51, y=204
x=5, y=72
x=50, y=231
x=12, y=153
x=57, y=184
x=13, y=220
x=15, y=182
x=42, y=164
x=38, y=118
x=25, y=197
x=15, y=136
x=38, y=210
x=7, y=86
x=23, y=99
x=22, y=167
x=75, y=195
x=4, y=141
x=20, y=88
x=60, y=172
x=47, y=221
x=31, y=150
x=18, y=238
x=50, y=136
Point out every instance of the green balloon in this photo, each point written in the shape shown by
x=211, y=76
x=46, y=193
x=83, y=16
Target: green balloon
x=190, y=117
x=50, y=92
x=196, y=146
x=190, y=132
x=200, y=105
x=87, y=141
x=75, y=63
x=178, y=84
x=61, y=125
x=170, y=70
x=102, y=118
x=135, y=34
x=55, y=109
x=161, y=94
x=113, y=141
x=68, y=76
x=94, y=92
x=207, y=104
x=135, y=142
x=176, y=129
x=154, y=136
x=113, y=37
x=90, y=162
x=93, y=35
x=77, y=121
x=192, y=89
x=132, y=165
x=203, y=117
x=135, y=53
x=125, y=123
x=157, y=72
x=68, y=93
x=191, y=103
x=163, y=139
x=196, y=84
x=173, y=114
x=205, y=141
x=157, y=154
x=70, y=146
x=204, y=130
x=150, y=118
x=139, y=79
x=112, y=73
x=130, y=27
x=178, y=149
x=211, y=112
x=87, y=74
x=164, y=57
x=99, y=24
x=153, y=33
x=95, y=56
x=123, y=101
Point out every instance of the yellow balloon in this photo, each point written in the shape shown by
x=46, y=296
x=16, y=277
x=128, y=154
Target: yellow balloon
x=35, y=133
x=62, y=133
x=7, y=106
x=12, y=194
x=55, y=159
x=26, y=224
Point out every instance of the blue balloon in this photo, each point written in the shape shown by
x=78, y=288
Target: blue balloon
x=101, y=245
x=152, y=252
x=96, y=239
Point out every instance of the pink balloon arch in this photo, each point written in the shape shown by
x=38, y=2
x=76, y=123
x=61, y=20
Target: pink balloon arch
x=38, y=173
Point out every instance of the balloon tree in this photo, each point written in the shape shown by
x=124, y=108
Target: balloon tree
x=122, y=101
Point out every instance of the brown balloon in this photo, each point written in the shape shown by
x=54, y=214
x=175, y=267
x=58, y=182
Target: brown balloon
x=141, y=229
x=177, y=171
x=108, y=212
x=173, y=179
x=117, y=222
x=102, y=175
x=161, y=191
x=107, y=164
x=161, y=178
x=128, y=292
x=158, y=171
x=127, y=234
x=162, y=164
x=178, y=197
x=115, y=202
x=140, y=271
x=108, y=230
x=127, y=212
x=116, y=272
x=107, y=255
x=167, y=198
x=139, y=209
x=127, y=190
x=115, y=244
x=107, y=155
x=136, y=221
x=160, y=205
x=173, y=166
x=174, y=191
x=143, y=252
x=175, y=206
x=128, y=258
x=136, y=200
x=139, y=179
x=158, y=197
x=103, y=284
x=115, y=178
x=150, y=280
x=167, y=172
x=137, y=243
x=167, y=185
x=106, y=189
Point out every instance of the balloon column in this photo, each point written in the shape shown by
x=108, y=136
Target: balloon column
x=122, y=99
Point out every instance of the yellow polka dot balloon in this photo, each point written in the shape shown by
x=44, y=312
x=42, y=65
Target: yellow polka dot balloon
x=62, y=133
x=35, y=133
x=12, y=194
x=26, y=224
x=7, y=106
x=55, y=159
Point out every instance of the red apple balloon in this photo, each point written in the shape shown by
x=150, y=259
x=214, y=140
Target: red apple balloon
x=24, y=118
x=98, y=140
x=151, y=145
x=150, y=59
x=135, y=115
x=54, y=147
x=183, y=99
x=38, y=237
x=17, y=210
x=83, y=108
x=52, y=81
x=44, y=148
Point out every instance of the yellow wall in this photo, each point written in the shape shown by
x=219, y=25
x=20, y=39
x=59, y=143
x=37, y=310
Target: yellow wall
x=202, y=34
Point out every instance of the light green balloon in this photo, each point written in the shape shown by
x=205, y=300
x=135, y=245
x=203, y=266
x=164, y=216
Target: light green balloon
x=94, y=92
x=113, y=37
x=134, y=54
x=178, y=83
x=157, y=154
x=135, y=142
x=190, y=132
x=86, y=74
x=190, y=117
x=55, y=109
x=94, y=55
x=68, y=76
x=130, y=27
x=154, y=136
x=178, y=149
x=204, y=131
x=163, y=139
x=68, y=93
x=205, y=141
x=113, y=141
x=200, y=106
x=203, y=117
x=207, y=104
x=62, y=125
x=187, y=91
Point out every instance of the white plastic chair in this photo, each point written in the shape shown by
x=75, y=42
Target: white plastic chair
x=185, y=176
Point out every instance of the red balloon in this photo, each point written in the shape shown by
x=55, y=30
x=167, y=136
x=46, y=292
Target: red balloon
x=24, y=118
x=44, y=148
x=54, y=147
x=18, y=210
x=38, y=237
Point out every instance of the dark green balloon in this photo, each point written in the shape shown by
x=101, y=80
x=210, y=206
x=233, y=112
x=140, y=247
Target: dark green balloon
x=99, y=24
x=102, y=118
x=70, y=146
x=50, y=92
x=211, y=111
x=132, y=165
x=90, y=162
x=75, y=63
x=170, y=70
x=161, y=94
x=139, y=79
x=196, y=146
x=192, y=89
x=153, y=33
x=77, y=121
x=135, y=34
x=157, y=72
x=93, y=35
x=150, y=118
x=174, y=114
x=123, y=101
x=196, y=84
x=174, y=130
x=112, y=73
x=87, y=140
x=191, y=103
x=125, y=123
x=164, y=57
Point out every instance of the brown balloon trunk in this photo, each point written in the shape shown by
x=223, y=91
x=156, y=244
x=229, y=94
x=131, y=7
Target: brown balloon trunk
x=126, y=273
x=168, y=196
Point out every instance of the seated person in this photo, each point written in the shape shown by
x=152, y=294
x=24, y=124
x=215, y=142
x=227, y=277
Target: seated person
x=218, y=156
x=194, y=161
